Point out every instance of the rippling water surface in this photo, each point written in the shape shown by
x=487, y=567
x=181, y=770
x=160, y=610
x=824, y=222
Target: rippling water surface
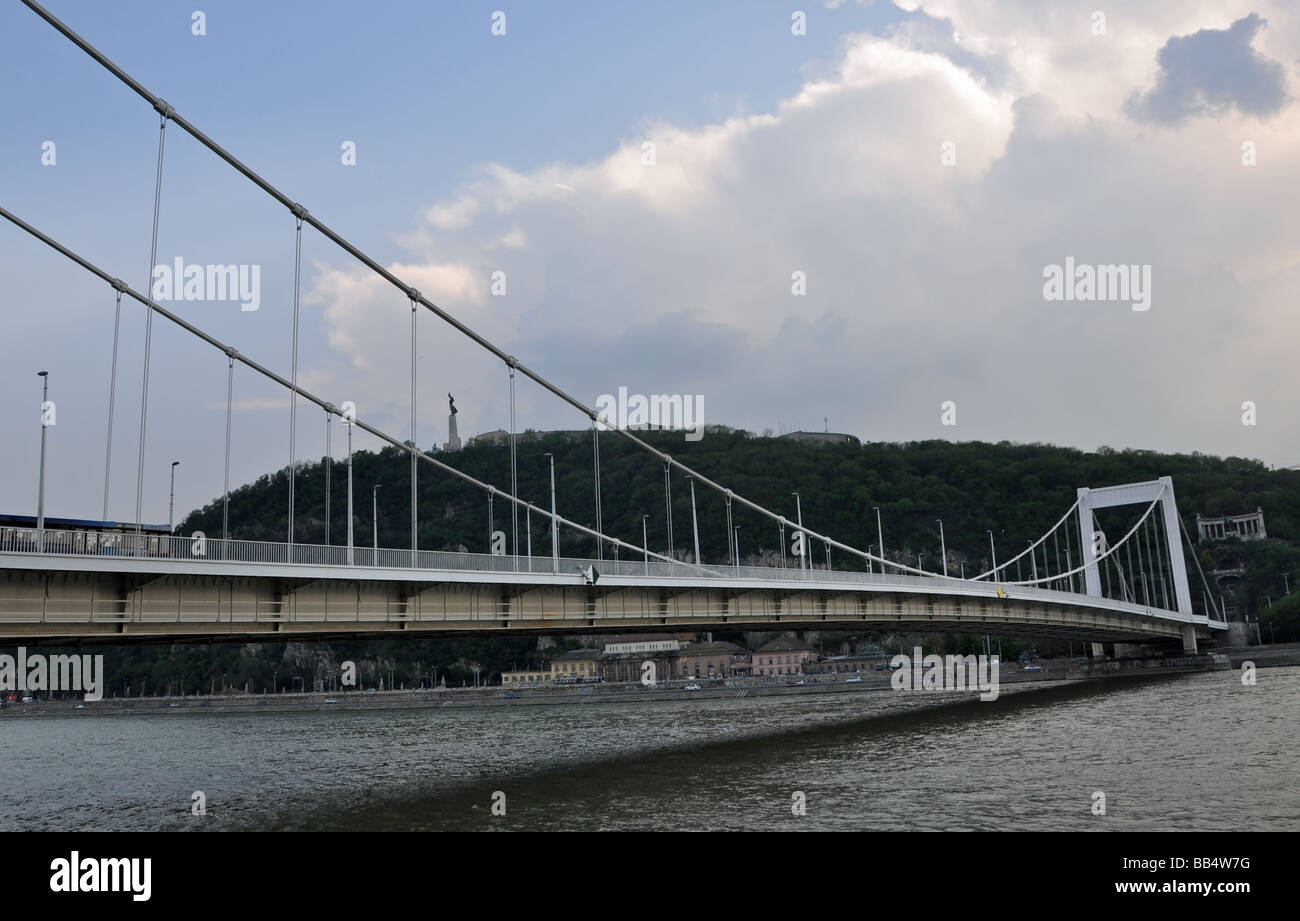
x=1182, y=752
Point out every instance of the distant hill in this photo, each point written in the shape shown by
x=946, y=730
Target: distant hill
x=1017, y=490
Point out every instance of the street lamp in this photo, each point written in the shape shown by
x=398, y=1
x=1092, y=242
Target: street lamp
x=40, y=489
x=943, y=549
x=374, y=522
x=171, y=502
x=555, y=528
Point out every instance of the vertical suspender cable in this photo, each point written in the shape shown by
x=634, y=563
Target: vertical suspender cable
x=1128, y=553
x=1056, y=540
x=148, y=326
x=414, y=444
x=1103, y=569
x=1149, y=569
x=329, y=472
x=1169, y=566
x=595, y=450
x=514, y=477
x=1142, y=570
x=668, y=499
x=731, y=550
x=112, y=399
x=225, y=502
x=293, y=377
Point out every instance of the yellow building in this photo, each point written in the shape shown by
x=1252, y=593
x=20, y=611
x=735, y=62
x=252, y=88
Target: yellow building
x=525, y=678
x=580, y=663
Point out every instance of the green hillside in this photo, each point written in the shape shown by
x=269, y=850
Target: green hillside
x=1017, y=490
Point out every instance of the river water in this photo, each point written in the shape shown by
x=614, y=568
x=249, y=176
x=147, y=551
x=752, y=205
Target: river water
x=1195, y=751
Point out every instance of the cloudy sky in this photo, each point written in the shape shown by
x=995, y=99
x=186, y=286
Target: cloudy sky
x=922, y=165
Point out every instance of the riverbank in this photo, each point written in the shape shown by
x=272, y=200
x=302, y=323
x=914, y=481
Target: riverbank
x=354, y=699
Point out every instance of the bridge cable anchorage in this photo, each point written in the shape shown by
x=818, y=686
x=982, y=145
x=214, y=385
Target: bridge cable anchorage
x=170, y=114
x=165, y=111
x=235, y=355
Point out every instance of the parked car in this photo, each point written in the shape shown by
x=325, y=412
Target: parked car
x=1033, y=668
x=691, y=687
x=856, y=679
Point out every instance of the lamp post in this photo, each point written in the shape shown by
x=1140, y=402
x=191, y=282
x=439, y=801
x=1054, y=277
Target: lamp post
x=943, y=549
x=555, y=528
x=171, y=502
x=40, y=489
x=374, y=522
x=528, y=518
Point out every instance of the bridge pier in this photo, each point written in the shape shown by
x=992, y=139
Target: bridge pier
x=1189, y=638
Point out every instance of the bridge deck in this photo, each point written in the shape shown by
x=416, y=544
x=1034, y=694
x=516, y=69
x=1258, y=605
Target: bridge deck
x=244, y=590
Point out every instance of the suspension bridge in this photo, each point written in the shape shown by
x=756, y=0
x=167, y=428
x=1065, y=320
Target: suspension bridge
x=72, y=583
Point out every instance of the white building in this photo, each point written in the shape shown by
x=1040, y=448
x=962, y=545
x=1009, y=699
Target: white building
x=1246, y=527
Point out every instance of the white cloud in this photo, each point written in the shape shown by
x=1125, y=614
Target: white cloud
x=924, y=280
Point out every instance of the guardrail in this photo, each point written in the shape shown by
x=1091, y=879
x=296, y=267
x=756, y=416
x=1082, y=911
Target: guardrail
x=190, y=549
